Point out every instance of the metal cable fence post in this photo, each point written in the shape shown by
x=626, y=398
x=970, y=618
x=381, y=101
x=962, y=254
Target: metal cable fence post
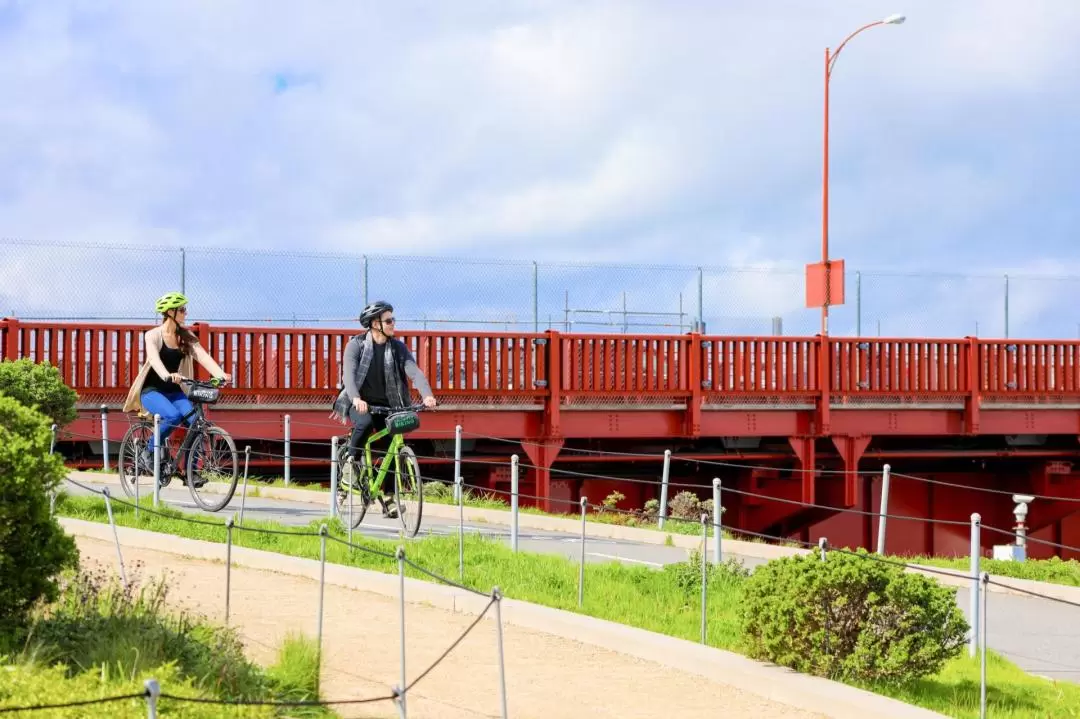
x=461, y=530
x=514, y=470
x=333, y=475
x=228, y=563
x=823, y=545
x=976, y=526
x=52, y=443
x=884, y=509
x=496, y=595
x=322, y=595
x=664, y=486
x=288, y=449
x=982, y=660
x=718, y=512
x=153, y=691
x=157, y=459
x=457, y=463
x=704, y=571
x=401, y=579
x=581, y=568
x=243, y=492
x=116, y=534
x=120, y=474
x=104, y=438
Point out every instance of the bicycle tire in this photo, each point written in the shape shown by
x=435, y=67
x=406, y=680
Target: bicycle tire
x=193, y=452
x=408, y=474
x=128, y=448
x=361, y=498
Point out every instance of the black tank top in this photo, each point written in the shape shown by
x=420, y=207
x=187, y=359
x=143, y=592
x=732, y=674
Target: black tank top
x=171, y=358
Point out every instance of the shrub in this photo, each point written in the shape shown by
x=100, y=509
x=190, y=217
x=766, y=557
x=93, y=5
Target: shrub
x=38, y=386
x=851, y=618
x=685, y=505
x=33, y=546
x=687, y=575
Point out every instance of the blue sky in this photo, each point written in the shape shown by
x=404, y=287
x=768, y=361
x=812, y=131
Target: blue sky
x=675, y=133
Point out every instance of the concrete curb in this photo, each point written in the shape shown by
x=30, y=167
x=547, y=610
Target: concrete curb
x=771, y=682
x=597, y=530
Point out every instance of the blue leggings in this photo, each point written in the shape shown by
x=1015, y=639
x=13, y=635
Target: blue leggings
x=171, y=406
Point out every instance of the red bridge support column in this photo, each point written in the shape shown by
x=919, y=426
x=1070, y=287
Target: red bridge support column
x=804, y=450
x=542, y=454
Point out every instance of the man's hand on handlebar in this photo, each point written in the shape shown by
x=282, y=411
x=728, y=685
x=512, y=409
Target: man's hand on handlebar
x=360, y=405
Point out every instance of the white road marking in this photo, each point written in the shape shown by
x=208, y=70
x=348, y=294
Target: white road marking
x=623, y=559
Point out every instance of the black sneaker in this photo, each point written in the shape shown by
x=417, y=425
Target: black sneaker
x=389, y=509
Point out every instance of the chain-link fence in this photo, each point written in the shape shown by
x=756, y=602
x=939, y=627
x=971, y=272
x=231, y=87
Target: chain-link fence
x=286, y=288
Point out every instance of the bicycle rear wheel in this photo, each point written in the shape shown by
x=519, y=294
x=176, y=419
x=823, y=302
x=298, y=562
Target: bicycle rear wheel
x=360, y=497
x=128, y=465
x=212, y=457
x=408, y=491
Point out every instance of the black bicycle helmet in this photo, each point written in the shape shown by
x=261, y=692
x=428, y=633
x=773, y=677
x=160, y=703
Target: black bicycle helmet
x=373, y=311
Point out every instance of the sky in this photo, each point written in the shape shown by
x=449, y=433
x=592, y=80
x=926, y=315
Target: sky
x=277, y=143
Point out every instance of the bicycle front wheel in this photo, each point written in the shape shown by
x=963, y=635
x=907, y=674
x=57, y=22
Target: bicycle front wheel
x=128, y=464
x=408, y=491
x=353, y=496
x=212, y=457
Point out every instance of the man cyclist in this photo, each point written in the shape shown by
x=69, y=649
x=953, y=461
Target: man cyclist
x=375, y=370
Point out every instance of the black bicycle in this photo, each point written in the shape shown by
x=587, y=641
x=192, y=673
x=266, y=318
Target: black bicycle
x=206, y=454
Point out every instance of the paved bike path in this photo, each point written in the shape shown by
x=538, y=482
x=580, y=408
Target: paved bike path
x=1040, y=635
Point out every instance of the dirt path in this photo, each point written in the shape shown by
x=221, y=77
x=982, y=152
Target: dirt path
x=546, y=675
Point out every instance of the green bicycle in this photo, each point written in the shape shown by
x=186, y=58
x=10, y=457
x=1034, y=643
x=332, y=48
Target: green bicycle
x=360, y=483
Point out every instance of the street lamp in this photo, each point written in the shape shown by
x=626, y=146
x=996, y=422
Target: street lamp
x=830, y=60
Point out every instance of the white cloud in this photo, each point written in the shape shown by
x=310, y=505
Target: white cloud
x=615, y=131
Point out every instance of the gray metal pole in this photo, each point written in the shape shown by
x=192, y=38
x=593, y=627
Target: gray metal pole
x=243, y=491
x=228, y=564
x=581, y=568
x=333, y=475
x=982, y=660
x=401, y=578
x=288, y=449
x=717, y=519
x=976, y=526
x=858, y=304
x=701, y=300
x=457, y=463
x=664, y=487
x=514, y=472
x=1006, y=307
x=536, y=298
x=157, y=459
x=704, y=572
x=105, y=437
x=183, y=270
x=884, y=509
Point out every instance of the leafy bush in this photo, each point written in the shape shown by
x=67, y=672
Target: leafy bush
x=33, y=546
x=687, y=575
x=38, y=386
x=851, y=618
x=685, y=505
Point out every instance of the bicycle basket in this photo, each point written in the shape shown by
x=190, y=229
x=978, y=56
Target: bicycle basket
x=205, y=395
x=402, y=422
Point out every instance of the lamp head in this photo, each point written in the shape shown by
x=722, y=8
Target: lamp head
x=894, y=20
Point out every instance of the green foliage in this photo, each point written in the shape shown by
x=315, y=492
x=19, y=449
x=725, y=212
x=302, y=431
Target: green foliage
x=33, y=547
x=38, y=386
x=851, y=618
x=99, y=635
x=687, y=575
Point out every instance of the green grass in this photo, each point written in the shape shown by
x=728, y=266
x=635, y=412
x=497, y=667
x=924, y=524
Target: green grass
x=99, y=639
x=1054, y=570
x=664, y=601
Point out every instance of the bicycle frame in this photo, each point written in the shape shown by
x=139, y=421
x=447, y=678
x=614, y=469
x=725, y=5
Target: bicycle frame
x=376, y=479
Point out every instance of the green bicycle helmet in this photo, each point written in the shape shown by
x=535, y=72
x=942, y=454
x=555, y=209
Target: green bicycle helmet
x=169, y=301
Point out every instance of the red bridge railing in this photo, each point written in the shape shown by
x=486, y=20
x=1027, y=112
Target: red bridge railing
x=304, y=365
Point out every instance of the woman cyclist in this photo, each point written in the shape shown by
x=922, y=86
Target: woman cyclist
x=170, y=349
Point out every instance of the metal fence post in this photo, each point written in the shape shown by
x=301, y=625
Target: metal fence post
x=228, y=563
x=982, y=661
x=496, y=594
x=401, y=579
x=120, y=473
x=116, y=534
x=581, y=569
x=105, y=438
x=704, y=571
x=884, y=509
x=823, y=545
x=514, y=470
x=243, y=492
x=1006, y=306
x=718, y=513
x=457, y=462
x=333, y=475
x=52, y=492
x=288, y=449
x=461, y=530
x=157, y=459
x=664, y=486
x=153, y=691
x=52, y=444
x=322, y=592
x=976, y=551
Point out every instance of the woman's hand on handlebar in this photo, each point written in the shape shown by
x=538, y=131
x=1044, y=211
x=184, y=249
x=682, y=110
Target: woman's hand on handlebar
x=429, y=402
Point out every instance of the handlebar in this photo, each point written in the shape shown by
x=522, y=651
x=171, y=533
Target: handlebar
x=212, y=384
x=375, y=409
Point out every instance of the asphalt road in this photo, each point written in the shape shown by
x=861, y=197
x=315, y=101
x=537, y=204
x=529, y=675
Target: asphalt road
x=1041, y=636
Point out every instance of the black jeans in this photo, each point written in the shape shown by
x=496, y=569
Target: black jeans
x=364, y=425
